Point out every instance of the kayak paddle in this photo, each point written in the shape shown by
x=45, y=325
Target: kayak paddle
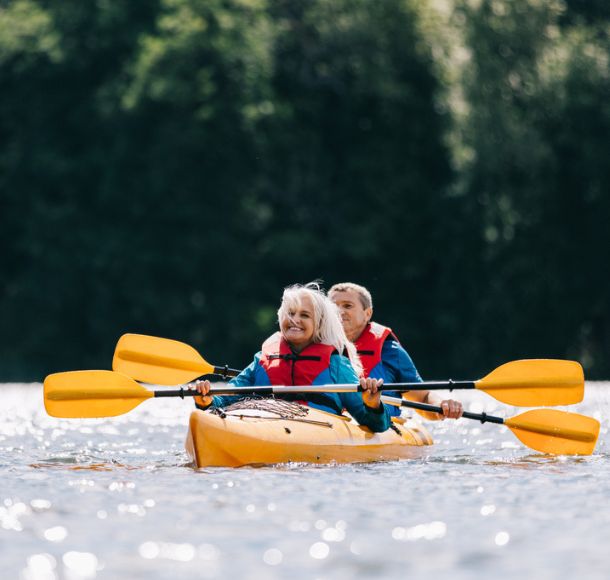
x=524, y=383
x=545, y=430
x=162, y=361
x=90, y=394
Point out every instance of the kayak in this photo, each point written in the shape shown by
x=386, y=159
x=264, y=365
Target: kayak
x=261, y=435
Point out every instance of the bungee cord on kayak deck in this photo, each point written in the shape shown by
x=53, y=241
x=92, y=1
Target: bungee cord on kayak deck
x=275, y=409
x=283, y=409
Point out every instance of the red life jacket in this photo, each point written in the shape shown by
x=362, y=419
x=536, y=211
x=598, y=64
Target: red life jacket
x=369, y=345
x=284, y=367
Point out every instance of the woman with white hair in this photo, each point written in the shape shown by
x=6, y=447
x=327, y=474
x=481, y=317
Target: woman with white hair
x=311, y=348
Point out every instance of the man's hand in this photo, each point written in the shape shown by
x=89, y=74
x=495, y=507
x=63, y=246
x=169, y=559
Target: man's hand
x=451, y=409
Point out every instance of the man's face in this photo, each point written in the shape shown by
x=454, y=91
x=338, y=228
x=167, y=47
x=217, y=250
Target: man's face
x=353, y=315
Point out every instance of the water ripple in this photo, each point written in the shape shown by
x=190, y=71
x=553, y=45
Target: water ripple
x=117, y=498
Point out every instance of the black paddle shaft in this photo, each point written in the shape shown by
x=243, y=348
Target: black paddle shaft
x=430, y=386
x=225, y=372
x=483, y=417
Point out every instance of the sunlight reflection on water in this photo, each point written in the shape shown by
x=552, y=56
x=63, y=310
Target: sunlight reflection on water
x=116, y=498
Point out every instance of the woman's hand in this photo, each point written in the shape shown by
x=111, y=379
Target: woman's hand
x=370, y=395
x=203, y=388
x=451, y=409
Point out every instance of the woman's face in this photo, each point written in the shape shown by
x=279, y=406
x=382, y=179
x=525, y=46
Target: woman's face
x=298, y=327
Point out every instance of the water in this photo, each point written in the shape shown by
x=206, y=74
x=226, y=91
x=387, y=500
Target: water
x=116, y=498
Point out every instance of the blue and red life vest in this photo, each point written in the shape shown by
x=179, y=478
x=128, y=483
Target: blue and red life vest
x=369, y=346
x=279, y=365
x=284, y=367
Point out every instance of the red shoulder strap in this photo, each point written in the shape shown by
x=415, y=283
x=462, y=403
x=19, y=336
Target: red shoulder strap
x=370, y=343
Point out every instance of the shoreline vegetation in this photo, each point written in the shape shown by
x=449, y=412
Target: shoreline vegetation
x=166, y=166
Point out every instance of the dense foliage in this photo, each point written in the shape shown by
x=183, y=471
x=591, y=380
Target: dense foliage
x=166, y=167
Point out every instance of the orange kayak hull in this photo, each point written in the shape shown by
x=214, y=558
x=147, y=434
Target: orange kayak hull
x=255, y=437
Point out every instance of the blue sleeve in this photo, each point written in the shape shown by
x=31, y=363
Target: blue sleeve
x=246, y=377
x=398, y=367
x=397, y=363
x=243, y=379
x=377, y=420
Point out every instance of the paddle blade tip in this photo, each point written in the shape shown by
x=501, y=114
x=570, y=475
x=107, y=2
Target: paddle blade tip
x=556, y=432
x=535, y=382
x=156, y=360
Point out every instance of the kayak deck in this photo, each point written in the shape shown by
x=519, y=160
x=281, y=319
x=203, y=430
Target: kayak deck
x=234, y=438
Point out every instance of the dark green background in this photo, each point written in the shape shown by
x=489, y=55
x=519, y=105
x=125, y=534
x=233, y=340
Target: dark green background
x=166, y=167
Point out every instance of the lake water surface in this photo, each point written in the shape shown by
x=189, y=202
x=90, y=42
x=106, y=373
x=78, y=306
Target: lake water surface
x=116, y=498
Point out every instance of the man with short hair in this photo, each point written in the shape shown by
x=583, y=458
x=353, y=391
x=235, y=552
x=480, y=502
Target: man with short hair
x=381, y=353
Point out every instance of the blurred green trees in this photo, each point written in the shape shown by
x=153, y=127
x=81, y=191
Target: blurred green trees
x=167, y=167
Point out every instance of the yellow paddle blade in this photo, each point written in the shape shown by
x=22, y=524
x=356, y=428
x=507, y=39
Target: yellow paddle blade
x=529, y=383
x=87, y=394
x=158, y=361
x=556, y=432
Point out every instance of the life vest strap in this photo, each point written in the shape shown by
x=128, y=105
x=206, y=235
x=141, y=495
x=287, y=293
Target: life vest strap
x=292, y=356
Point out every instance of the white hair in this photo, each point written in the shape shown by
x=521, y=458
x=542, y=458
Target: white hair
x=327, y=326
